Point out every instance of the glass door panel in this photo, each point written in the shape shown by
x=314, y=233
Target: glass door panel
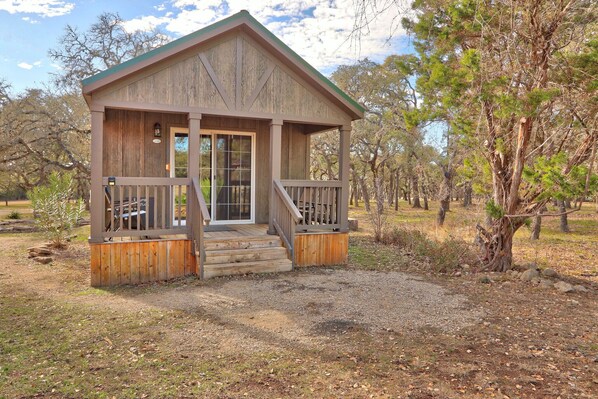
x=180, y=162
x=205, y=168
x=233, y=188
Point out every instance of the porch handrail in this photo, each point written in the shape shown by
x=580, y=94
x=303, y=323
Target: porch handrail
x=205, y=214
x=285, y=217
x=199, y=217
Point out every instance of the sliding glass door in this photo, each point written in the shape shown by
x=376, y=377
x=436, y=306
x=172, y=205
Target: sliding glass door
x=226, y=172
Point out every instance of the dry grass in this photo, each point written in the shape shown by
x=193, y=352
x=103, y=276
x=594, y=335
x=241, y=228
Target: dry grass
x=574, y=253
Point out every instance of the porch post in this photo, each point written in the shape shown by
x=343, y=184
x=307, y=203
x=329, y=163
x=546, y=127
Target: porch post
x=97, y=194
x=275, y=160
x=343, y=157
x=193, y=156
x=194, y=143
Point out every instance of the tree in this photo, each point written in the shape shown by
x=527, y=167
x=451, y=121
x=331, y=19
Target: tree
x=508, y=64
x=105, y=44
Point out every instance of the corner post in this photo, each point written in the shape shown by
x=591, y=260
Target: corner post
x=193, y=156
x=275, y=160
x=343, y=157
x=97, y=195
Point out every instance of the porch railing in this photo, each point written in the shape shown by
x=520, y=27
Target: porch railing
x=200, y=217
x=285, y=217
x=145, y=206
x=318, y=202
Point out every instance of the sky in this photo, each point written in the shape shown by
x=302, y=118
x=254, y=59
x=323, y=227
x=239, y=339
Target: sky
x=319, y=31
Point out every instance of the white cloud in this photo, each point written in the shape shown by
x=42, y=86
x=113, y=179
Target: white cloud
x=319, y=31
x=24, y=65
x=28, y=66
x=42, y=8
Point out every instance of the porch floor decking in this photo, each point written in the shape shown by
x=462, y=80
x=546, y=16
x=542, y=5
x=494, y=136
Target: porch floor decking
x=237, y=231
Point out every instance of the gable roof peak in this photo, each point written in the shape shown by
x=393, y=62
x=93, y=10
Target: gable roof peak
x=241, y=19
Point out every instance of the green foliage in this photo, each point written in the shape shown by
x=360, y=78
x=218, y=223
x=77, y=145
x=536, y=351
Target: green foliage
x=477, y=170
x=14, y=215
x=56, y=214
x=547, y=174
x=494, y=210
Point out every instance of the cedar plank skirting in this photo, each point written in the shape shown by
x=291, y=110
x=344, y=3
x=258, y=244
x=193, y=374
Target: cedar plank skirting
x=321, y=249
x=134, y=262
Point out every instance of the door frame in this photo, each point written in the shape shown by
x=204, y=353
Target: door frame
x=213, y=133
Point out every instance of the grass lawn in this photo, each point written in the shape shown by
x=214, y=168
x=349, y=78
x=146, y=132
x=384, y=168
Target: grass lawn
x=22, y=206
x=59, y=338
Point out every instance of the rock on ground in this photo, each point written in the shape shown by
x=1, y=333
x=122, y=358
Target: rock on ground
x=549, y=272
x=44, y=260
x=529, y=275
x=564, y=287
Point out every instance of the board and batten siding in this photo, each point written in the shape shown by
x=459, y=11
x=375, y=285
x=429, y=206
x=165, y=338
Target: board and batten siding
x=129, y=149
x=232, y=74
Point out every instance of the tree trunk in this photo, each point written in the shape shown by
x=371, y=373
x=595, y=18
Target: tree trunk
x=564, y=221
x=415, y=188
x=568, y=204
x=467, y=195
x=365, y=193
x=397, y=193
x=537, y=225
x=497, y=244
x=445, y=197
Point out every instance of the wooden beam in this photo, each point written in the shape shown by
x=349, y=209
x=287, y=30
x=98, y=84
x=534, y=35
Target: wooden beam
x=343, y=156
x=239, y=73
x=97, y=191
x=206, y=63
x=259, y=86
x=275, y=161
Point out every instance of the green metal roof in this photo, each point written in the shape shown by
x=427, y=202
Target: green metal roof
x=197, y=34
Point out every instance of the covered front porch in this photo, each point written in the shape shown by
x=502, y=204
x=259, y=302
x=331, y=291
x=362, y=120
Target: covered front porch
x=236, y=169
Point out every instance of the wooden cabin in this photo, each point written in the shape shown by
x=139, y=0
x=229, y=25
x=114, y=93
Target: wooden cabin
x=200, y=160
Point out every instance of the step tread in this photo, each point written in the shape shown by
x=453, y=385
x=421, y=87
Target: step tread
x=219, y=270
x=245, y=255
x=243, y=238
x=265, y=262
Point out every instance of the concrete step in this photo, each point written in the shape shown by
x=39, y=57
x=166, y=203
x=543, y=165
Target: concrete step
x=242, y=242
x=245, y=255
x=264, y=266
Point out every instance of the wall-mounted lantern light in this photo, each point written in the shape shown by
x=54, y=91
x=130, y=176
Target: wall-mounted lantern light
x=157, y=133
x=112, y=181
x=157, y=130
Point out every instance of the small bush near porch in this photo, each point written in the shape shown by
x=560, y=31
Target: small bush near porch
x=384, y=326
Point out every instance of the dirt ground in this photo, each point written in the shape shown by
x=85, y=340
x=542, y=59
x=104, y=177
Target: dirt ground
x=320, y=332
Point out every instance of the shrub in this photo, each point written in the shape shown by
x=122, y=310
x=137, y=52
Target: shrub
x=55, y=214
x=442, y=256
x=14, y=215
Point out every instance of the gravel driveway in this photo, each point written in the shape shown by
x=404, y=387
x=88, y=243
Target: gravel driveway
x=314, y=303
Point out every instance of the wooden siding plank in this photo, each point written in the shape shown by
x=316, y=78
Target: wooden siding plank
x=105, y=261
x=163, y=260
x=95, y=265
x=115, y=264
x=144, y=256
x=125, y=263
x=153, y=261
